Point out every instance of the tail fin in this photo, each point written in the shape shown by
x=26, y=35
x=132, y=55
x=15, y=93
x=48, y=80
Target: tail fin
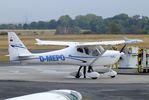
x=16, y=47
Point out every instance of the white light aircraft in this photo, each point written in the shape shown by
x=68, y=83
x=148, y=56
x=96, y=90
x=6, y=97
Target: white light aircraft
x=83, y=54
x=51, y=95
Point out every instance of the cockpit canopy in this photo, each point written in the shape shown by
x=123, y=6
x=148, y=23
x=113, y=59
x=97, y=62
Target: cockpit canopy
x=96, y=51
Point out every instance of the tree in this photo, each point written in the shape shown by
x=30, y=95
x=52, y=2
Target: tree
x=66, y=25
x=25, y=26
x=114, y=28
x=34, y=25
x=97, y=25
x=52, y=24
x=84, y=22
x=90, y=23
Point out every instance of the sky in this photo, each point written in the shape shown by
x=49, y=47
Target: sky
x=21, y=11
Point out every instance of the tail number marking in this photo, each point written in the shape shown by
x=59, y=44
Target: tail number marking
x=51, y=58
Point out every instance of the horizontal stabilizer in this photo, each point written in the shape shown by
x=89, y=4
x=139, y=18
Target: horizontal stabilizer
x=24, y=56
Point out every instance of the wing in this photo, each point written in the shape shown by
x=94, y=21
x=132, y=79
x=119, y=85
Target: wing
x=61, y=43
x=51, y=95
x=40, y=96
x=101, y=43
x=79, y=44
x=110, y=43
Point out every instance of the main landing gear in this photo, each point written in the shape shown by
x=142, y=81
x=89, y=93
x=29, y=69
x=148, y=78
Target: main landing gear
x=78, y=75
x=89, y=73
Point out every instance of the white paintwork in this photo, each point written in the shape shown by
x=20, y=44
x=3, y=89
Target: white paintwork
x=110, y=73
x=70, y=55
x=93, y=75
x=51, y=95
x=64, y=43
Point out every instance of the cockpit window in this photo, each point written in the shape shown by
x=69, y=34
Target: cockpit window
x=90, y=51
x=80, y=50
x=86, y=50
x=95, y=53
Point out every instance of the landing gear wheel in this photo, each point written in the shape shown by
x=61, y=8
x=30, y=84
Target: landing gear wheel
x=112, y=76
x=78, y=75
x=87, y=73
x=94, y=78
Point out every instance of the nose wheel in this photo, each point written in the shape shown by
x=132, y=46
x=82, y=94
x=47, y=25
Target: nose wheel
x=111, y=73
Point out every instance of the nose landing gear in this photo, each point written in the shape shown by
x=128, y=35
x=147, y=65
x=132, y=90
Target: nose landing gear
x=111, y=73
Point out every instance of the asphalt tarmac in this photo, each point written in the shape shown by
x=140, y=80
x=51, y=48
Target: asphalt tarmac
x=18, y=80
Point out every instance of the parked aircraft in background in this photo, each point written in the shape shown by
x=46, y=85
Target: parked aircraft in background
x=83, y=54
x=51, y=95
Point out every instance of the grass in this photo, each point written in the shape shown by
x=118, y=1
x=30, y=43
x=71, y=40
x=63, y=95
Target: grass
x=3, y=57
x=29, y=40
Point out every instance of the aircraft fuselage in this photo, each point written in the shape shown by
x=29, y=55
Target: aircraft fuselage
x=70, y=56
